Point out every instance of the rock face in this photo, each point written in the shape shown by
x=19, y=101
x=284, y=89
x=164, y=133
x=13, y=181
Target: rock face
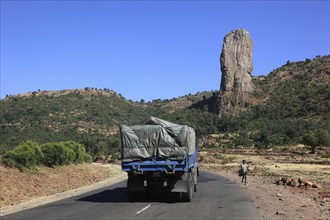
x=236, y=68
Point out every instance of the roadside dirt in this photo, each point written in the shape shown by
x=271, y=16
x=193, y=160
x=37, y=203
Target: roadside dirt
x=28, y=189
x=276, y=201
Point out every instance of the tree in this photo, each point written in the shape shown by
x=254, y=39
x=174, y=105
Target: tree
x=317, y=138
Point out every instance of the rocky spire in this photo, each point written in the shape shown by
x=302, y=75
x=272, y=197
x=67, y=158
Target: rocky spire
x=236, y=68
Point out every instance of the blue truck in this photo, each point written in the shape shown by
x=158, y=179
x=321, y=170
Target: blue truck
x=160, y=157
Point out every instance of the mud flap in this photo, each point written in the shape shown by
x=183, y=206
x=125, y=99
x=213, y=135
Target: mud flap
x=135, y=183
x=194, y=173
x=179, y=184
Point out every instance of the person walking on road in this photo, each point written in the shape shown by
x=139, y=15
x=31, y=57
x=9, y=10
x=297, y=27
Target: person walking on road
x=243, y=171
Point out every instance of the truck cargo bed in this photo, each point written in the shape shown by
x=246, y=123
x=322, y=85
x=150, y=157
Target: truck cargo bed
x=159, y=156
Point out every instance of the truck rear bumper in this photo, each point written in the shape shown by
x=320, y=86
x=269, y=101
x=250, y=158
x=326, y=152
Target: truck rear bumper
x=161, y=182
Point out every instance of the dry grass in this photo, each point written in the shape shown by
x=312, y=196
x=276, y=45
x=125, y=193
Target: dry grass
x=269, y=163
x=265, y=167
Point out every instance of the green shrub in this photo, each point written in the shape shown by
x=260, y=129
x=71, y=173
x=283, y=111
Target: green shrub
x=26, y=155
x=242, y=139
x=29, y=154
x=78, y=149
x=87, y=158
x=320, y=137
x=116, y=156
x=57, y=154
x=9, y=159
x=64, y=153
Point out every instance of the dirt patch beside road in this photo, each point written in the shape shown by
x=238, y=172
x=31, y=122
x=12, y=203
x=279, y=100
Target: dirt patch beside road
x=283, y=202
x=23, y=190
x=276, y=201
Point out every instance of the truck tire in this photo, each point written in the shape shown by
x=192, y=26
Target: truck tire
x=131, y=196
x=188, y=196
x=195, y=178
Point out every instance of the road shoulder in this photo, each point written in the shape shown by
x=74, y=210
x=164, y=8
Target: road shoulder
x=115, y=177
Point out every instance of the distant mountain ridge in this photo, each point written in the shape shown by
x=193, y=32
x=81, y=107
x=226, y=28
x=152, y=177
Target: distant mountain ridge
x=296, y=94
x=56, y=93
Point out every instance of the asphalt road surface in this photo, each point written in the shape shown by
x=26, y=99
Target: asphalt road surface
x=216, y=198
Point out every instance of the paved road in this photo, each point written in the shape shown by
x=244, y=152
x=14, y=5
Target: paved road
x=216, y=198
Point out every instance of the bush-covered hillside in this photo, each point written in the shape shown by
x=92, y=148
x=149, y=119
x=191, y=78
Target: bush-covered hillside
x=289, y=102
x=80, y=115
x=88, y=116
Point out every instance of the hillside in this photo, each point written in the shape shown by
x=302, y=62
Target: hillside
x=296, y=89
x=69, y=114
x=89, y=116
x=286, y=104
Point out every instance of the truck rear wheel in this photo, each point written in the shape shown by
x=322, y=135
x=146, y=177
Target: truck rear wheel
x=188, y=196
x=131, y=196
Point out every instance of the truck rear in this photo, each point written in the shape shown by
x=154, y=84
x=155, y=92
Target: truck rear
x=159, y=157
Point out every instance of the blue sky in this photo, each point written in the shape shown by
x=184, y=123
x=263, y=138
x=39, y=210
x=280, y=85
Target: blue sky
x=149, y=49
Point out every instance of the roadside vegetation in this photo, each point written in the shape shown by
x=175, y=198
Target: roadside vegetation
x=290, y=106
x=29, y=154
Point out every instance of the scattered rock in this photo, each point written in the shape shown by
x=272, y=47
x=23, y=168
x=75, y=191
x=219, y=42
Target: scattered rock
x=286, y=181
x=294, y=184
x=315, y=185
x=279, y=213
x=304, y=182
